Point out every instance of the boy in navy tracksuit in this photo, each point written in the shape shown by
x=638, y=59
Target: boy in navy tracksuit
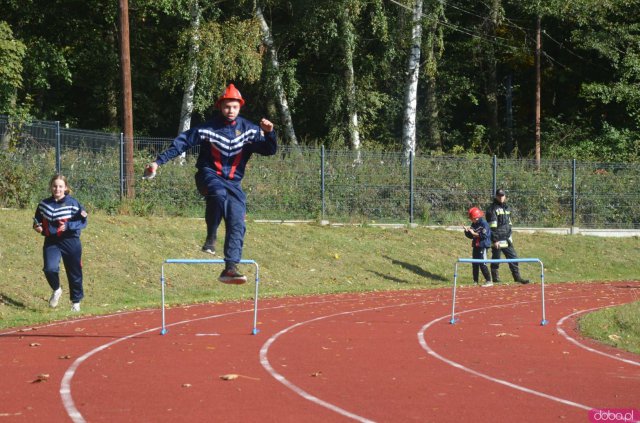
x=480, y=235
x=226, y=145
x=60, y=219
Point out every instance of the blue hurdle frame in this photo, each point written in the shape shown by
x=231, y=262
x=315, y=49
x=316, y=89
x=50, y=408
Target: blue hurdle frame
x=255, y=329
x=478, y=261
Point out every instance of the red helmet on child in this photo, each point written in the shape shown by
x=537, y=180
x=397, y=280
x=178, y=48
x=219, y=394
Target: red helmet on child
x=230, y=93
x=475, y=213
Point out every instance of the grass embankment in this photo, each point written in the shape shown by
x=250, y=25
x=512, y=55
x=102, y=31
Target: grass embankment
x=616, y=326
x=123, y=256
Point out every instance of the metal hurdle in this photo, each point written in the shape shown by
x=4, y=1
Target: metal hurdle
x=255, y=329
x=488, y=261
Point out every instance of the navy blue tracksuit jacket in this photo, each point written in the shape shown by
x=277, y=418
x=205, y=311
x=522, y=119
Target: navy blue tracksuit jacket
x=225, y=149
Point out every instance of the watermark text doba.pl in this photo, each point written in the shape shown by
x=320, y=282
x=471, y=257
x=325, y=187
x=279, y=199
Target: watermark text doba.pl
x=610, y=415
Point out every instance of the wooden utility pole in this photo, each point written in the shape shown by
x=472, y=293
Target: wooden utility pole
x=538, y=89
x=127, y=99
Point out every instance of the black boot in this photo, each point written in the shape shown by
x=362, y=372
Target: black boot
x=231, y=275
x=494, y=276
x=520, y=279
x=209, y=246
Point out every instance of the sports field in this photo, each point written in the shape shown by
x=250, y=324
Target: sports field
x=388, y=357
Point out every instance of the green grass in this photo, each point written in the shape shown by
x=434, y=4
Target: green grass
x=123, y=256
x=615, y=326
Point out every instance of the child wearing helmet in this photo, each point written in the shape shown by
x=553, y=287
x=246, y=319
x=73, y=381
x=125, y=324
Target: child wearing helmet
x=480, y=235
x=226, y=145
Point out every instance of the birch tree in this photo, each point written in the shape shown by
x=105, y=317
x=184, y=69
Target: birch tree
x=225, y=51
x=186, y=109
x=348, y=37
x=283, y=104
x=411, y=84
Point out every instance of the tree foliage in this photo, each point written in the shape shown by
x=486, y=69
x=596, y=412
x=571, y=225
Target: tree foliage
x=60, y=61
x=12, y=54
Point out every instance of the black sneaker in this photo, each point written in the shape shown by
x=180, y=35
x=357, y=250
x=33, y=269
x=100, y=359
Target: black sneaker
x=209, y=247
x=230, y=275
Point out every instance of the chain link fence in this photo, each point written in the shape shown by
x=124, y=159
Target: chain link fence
x=317, y=184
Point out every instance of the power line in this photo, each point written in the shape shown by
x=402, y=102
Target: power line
x=492, y=39
x=500, y=41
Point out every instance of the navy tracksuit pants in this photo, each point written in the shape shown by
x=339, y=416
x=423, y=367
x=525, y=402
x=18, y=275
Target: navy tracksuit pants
x=225, y=200
x=70, y=251
x=480, y=253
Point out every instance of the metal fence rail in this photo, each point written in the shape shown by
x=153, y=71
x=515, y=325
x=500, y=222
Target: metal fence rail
x=314, y=183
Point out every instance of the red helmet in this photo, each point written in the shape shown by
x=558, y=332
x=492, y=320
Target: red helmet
x=475, y=213
x=230, y=93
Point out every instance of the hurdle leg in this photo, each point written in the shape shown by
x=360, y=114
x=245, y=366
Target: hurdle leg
x=255, y=329
x=453, y=306
x=544, y=318
x=164, y=327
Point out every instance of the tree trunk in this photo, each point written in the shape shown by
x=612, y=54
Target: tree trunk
x=186, y=110
x=5, y=137
x=411, y=87
x=349, y=41
x=354, y=128
x=285, y=113
x=538, y=88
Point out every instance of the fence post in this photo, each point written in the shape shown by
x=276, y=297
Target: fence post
x=121, y=166
x=495, y=175
x=573, y=195
x=411, y=158
x=322, y=190
x=58, y=147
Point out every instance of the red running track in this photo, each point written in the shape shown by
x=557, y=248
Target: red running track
x=384, y=357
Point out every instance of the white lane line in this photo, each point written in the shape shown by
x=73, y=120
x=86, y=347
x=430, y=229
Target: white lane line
x=264, y=360
x=579, y=344
x=457, y=365
x=65, y=385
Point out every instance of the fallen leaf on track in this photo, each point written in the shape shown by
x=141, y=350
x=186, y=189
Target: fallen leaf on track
x=233, y=376
x=42, y=377
x=64, y=357
x=34, y=344
x=507, y=334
